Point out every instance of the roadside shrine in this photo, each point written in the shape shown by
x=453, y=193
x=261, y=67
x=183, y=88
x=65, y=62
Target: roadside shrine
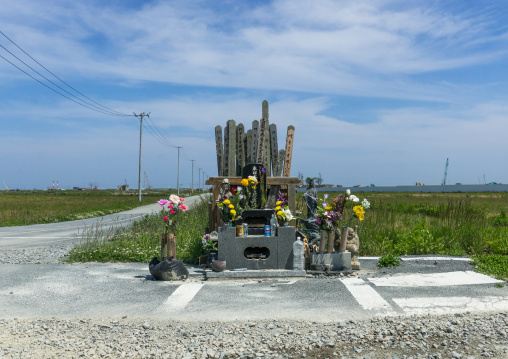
x=253, y=185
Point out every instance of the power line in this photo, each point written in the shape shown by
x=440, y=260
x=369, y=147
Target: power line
x=70, y=94
x=107, y=109
x=52, y=89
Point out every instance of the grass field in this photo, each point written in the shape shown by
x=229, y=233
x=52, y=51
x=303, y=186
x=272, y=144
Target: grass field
x=34, y=207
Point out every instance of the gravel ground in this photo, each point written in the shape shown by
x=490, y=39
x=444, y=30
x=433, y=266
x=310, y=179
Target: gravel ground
x=42, y=255
x=458, y=336
x=453, y=336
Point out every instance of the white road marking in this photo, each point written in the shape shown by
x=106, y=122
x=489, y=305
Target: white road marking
x=365, y=295
x=434, y=279
x=181, y=296
x=436, y=259
x=444, y=305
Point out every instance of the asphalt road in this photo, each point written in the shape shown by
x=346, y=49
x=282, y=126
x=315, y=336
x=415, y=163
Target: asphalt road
x=53, y=234
x=95, y=290
x=421, y=285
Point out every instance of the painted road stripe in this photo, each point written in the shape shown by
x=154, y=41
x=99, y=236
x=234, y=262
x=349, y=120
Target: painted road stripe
x=181, y=296
x=365, y=295
x=460, y=259
x=445, y=305
x=434, y=279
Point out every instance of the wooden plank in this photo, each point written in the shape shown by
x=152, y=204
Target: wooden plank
x=292, y=200
x=271, y=199
x=248, y=147
x=280, y=163
x=262, y=141
x=289, y=151
x=255, y=140
x=274, y=149
x=240, y=149
x=225, y=163
x=230, y=159
x=220, y=150
x=235, y=181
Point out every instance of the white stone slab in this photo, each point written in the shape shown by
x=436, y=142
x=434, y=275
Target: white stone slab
x=434, y=279
x=365, y=295
x=446, y=305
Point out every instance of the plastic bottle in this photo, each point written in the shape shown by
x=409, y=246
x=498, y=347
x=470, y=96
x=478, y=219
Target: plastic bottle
x=273, y=225
x=298, y=255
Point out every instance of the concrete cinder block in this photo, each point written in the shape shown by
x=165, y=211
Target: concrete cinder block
x=227, y=246
x=338, y=261
x=256, y=244
x=285, y=238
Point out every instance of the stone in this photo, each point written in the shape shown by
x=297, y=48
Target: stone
x=168, y=269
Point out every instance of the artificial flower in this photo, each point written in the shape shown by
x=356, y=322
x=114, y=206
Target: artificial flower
x=163, y=202
x=365, y=203
x=166, y=218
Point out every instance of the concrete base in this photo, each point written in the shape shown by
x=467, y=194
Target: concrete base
x=255, y=274
x=337, y=261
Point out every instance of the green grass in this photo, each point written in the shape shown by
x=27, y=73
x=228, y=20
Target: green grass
x=389, y=261
x=35, y=207
x=397, y=224
x=492, y=264
x=141, y=241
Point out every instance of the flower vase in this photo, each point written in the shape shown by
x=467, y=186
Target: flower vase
x=322, y=242
x=212, y=256
x=331, y=241
x=285, y=224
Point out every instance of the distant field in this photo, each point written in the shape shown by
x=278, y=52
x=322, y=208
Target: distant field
x=35, y=207
x=432, y=223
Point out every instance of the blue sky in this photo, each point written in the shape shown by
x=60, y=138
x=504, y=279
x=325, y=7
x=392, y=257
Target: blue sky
x=379, y=92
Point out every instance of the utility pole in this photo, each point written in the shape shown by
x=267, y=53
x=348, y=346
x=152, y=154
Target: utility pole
x=178, y=176
x=199, y=177
x=203, y=181
x=192, y=181
x=141, y=115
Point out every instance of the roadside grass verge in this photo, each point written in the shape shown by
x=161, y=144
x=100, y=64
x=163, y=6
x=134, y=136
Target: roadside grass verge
x=141, y=241
x=22, y=208
x=445, y=224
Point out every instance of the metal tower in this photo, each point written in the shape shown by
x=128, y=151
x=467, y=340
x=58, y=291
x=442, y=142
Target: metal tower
x=445, y=174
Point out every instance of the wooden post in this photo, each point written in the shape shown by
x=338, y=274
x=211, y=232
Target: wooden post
x=240, y=154
x=274, y=149
x=289, y=151
x=211, y=217
x=292, y=201
x=220, y=150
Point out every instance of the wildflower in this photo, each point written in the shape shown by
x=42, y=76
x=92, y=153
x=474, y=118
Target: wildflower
x=365, y=203
x=354, y=198
x=163, y=202
x=359, y=212
x=348, y=192
x=326, y=195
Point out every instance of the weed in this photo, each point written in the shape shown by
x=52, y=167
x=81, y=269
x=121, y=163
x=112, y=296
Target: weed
x=389, y=261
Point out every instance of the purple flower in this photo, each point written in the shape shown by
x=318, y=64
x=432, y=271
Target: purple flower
x=239, y=188
x=263, y=170
x=325, y=204
x=326, y=195
x=163, y=202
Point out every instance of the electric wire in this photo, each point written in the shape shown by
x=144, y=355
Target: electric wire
x=52, y=89
x=70, y=94
x=163, y=138
x=97, y=103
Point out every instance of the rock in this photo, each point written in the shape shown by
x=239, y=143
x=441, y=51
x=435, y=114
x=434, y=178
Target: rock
x=168, y=269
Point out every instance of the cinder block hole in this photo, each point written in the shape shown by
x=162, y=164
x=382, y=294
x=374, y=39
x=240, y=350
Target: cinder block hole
x=256, y=253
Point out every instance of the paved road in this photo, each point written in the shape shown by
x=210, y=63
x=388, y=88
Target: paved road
x=97, y=290
x=52, y=234
x=424, y=285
